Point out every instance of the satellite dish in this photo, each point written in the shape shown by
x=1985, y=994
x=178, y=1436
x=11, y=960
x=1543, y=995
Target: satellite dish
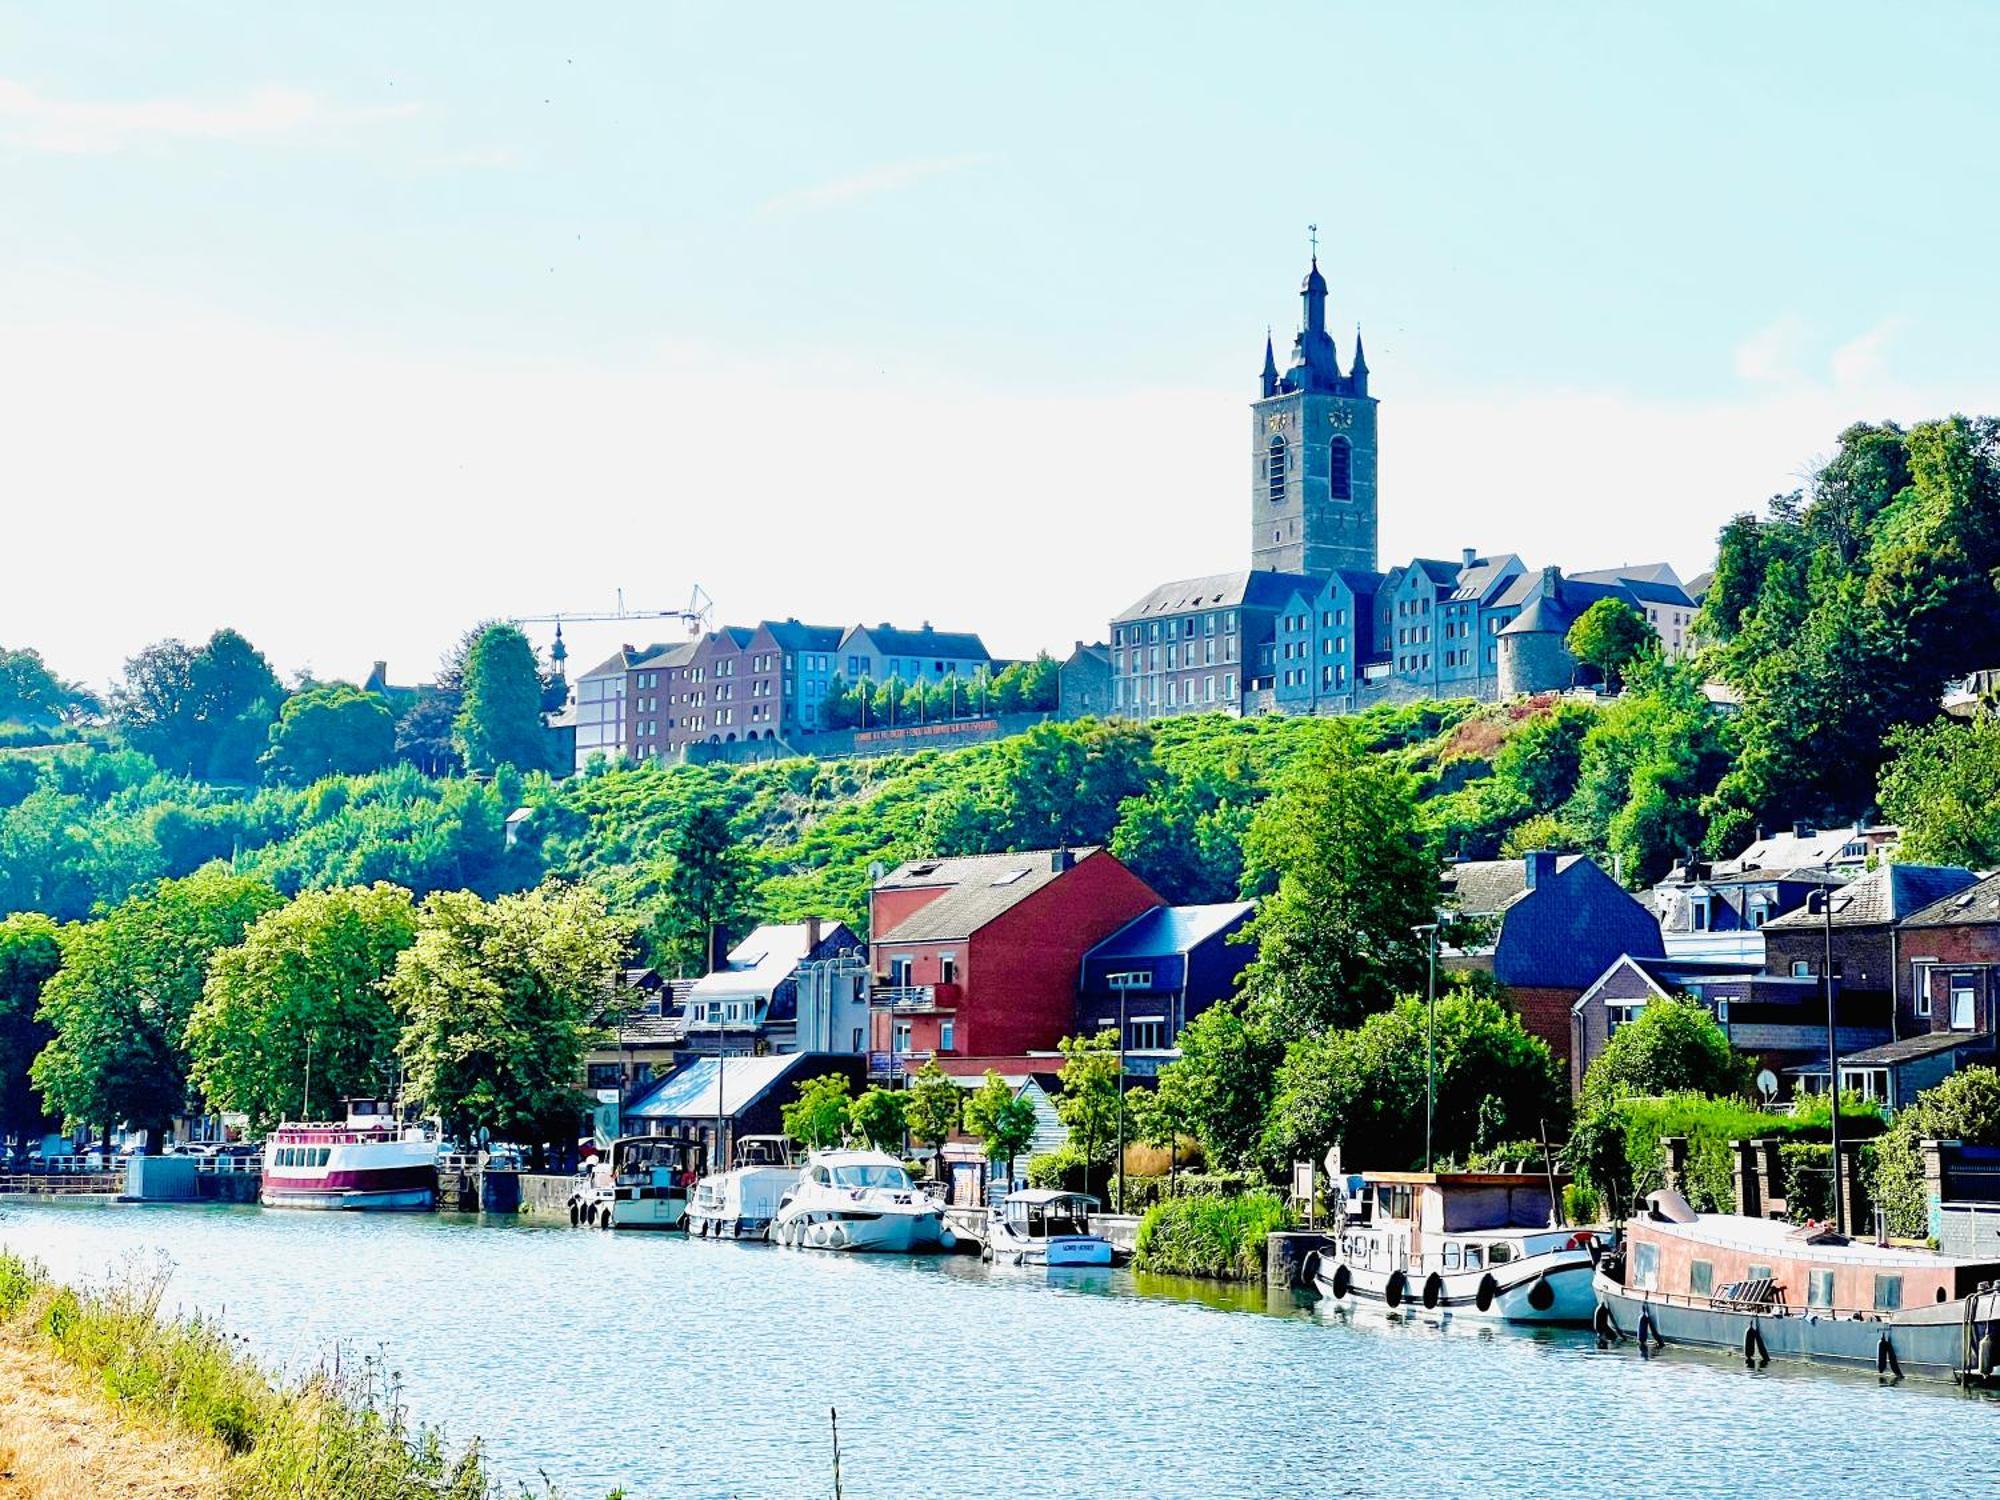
x=1767, y=1084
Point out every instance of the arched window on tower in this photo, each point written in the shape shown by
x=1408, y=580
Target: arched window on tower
x=1274, y=470
x=1340, y=469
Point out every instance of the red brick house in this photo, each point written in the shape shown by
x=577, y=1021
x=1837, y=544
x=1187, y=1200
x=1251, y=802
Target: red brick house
x=976, y=959
x=1953, y=950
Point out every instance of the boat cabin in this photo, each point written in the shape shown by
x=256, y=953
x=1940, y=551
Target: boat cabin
x=650, y=1161
x=1714, y=1260
x=1453, y=1221
x=764, y=1151
x=1047, y=1213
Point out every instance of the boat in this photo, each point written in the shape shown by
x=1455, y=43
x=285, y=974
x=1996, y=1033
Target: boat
x=641, y=1182
x=740, y=1203
x=859, y=1200
x=1046, y=1227
x=1445, y=1245
x=372, y=1160
x=1771, y=1290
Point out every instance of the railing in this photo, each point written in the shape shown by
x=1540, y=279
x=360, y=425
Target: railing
x=913, y=996
x=884, y=1065
x=95, y=1183
x=230, y=1166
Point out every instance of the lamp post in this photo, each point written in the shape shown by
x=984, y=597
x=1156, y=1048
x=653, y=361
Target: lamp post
x=1824, y=896
x=1121, y=983
x=1429, y=932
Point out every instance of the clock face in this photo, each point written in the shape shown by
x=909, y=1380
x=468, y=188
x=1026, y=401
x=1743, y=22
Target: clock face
x=1341, y=416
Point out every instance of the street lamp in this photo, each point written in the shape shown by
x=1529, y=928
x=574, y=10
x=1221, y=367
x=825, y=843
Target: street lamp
x=1428, y=931
x=1122, y=983
x=1822, y=899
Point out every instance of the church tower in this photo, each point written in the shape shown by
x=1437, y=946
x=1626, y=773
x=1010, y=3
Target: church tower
x=1312, y=487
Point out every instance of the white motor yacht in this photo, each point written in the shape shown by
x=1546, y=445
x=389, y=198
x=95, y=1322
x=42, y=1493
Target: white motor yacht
x=860, y=1200
x=740, y=1204
x=1046, y=1227
x=642, y=1184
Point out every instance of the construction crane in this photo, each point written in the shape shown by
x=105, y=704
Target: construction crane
x=694, y=614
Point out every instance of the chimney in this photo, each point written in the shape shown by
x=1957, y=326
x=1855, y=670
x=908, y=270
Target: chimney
x=1470, y=554
x=1552, y=581
x=812, y=935
x=1060, y=860
x=1802, y=830
x=1539, y=866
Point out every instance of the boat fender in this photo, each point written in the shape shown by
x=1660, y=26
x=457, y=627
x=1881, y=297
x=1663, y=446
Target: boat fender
x=1343, y=1282
x=948, y=1238
x=1886, y=1362
x=1489, y=1290
x=1433, y=1291
x=1393, y=1292
x=572, y=1213
x=1541, y=1296
x=836, y=1237
x=1754, y=1352
x=1649, y=1333
x=1986, y=1355
x=1605, y=1326
x=1596, y=1249
x=1309, y=1269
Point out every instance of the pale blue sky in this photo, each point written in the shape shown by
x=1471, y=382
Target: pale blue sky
x=350, y=324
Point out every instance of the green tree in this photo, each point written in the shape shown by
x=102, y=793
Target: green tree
x=199, y=712
x=334, y=730
x=707, y=882
x=1002, y=1120
x=30, y=954
x=302, y=996
x=1347, y=878
x=935, y=1104
x=32, y=694
x=1220, y=1086
x=1364, y=1088
x=500, y=1001
x=1610, y=636
x=1670, y=1047
x=119, y=1006
x=1185, y=837
x=880, y=1116
x=1964, y=1107
x=1062, y=784
x=1942, y=786
x=819, y=1116
x=499, y=719
x=1088, y=1103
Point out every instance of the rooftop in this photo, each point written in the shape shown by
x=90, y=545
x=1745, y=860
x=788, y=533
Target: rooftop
x=1168, y=930
x=1483, y=886
x=976, y=889
x=1259, y=589
x=690, y=1093
x=763, y=961
x=1975, y=904
x=1885, y=894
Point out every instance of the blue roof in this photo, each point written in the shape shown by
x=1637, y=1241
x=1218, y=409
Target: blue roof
x=690, y=1093
x=1167, y=930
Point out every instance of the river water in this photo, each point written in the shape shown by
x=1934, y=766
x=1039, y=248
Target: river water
x=691, y=1368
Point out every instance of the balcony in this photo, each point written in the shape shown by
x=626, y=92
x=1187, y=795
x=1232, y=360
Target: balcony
x=888, y=1067
x=913, y=998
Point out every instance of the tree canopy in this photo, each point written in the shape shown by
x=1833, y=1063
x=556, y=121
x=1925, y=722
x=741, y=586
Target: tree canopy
x=1610, y=636
x=333, y=730
x=706, y=882
x=1670, y=1047
x=499, y=720
x=30, y=954
x=201, y=712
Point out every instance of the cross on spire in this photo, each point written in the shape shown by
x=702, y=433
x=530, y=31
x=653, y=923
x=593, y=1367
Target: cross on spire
x=1312, y=230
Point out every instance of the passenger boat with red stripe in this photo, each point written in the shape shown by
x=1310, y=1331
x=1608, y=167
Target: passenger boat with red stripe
x=374, y=1160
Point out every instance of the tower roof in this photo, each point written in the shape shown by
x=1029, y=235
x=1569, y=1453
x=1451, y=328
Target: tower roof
x=1314, y=282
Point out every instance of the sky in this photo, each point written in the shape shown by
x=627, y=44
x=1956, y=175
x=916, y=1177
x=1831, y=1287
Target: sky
x=349, y=326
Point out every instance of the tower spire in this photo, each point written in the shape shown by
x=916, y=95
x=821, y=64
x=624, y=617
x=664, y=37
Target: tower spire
x=1270, y=365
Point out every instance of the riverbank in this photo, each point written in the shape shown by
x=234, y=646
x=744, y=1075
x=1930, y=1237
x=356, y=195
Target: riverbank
x=112, y=1399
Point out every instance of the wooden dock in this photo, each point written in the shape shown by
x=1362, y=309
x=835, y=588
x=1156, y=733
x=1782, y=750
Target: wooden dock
x=62, y=1184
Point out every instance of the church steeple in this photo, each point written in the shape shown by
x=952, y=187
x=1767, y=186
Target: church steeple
x=1270, y=366
x=1313, y=292
x=1358, y=371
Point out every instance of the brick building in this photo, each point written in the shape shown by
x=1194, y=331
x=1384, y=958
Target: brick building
x=976, y=959
x=1953, y=950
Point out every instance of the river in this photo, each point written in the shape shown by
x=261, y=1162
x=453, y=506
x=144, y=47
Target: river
x=691, y=1368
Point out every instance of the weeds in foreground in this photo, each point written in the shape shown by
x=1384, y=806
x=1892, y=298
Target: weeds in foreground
x=339, y=1433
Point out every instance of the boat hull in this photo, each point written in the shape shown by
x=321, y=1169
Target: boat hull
x=1927, y=1342
x=1548, y=1289
x=353, y=1200
x=1056, y=1254
x=880, y=1234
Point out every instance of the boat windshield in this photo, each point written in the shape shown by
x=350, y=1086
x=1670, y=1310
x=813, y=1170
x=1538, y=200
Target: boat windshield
x=870, y=1177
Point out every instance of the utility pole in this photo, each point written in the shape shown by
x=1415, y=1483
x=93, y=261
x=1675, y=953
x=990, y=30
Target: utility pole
x=1121, y=983
x=1429, y=932
x=1833, y=1053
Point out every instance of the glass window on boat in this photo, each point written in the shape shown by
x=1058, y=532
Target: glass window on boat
x=1645, y=1266
x=1499, y=1254
x=1888, y=1293
x=1474, y=1256
x=1759, y=1273
x=1451, y=1255
x=1701, y=1277
x=870, y=1177
x=322, y=1156
x=1819, y=1288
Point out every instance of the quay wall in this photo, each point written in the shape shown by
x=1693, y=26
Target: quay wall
x=1285, y=1253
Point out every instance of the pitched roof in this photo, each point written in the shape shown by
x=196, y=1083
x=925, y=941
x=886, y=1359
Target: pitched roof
x=691, y=1091
x=1443, y=574
x=978, y=888
x=667, y=656
x=1885, y=894
x=1167, y=930
x=1258, y=588
x=793, y=636
x=1483, y=575
x=1908, y=1049
x=1484, y=886
x=1976, y=905
x=763, y=961
x=948, y=645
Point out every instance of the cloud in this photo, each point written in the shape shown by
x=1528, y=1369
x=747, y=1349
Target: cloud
x=1771, y=354
x=888, y=178
x=1859, y=360
x=37, y=122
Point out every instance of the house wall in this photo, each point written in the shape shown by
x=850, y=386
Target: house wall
x=1967, y=950
x=887, y=908
x=1590, y=1020
x=1545, y=1012
x=1861, y=963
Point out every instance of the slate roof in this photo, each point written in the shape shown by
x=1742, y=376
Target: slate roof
x=1885, y=894
x=1813, y=847
x=792, y=636
x=1908, y=1049
x=1485, y=886
x=763, y=961
x=616, y=664
x=667, y=656
x=652, y=1031
x=978, y=890
x=1976, y=905
x=1553, y=614
x=1169, y=930
x=1443, y=574
x=1483, y=574
x=946, y=645
x=1257, y=588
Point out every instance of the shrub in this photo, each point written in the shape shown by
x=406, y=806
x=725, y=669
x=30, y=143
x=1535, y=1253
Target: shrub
x=1965, y=1107
x=1209, y=1235
x=1806, y=1171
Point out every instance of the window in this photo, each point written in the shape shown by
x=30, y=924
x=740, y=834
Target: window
x=1645, y=1266
x=899, y=972
x=1274, y=470
x=1701, y=1277
x=1699, y=915
x=1961, y=1002
x=1888, y=1293
x=1801, y=969
x=901, y=1043
x=1923, y=1002
x=1147, y=1033
x=1759, y=1273
x=1129, y=979
x=1819, y=1291
x=945, y=1031
x=947, y=968
x=1340, y=469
